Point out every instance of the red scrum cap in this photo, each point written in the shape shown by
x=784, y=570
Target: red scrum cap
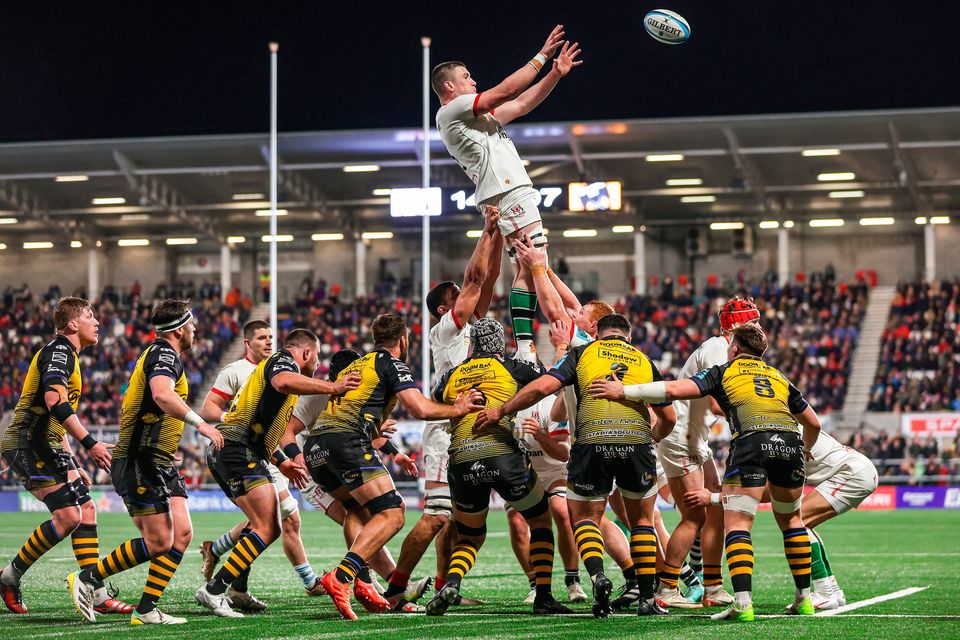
x=737, y=311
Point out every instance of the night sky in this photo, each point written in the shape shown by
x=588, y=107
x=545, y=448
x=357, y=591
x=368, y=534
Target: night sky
x=120, y=69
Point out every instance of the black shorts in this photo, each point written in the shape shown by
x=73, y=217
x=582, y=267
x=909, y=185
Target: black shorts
x=594, y=467
x=237, y=469
x=340, y=458
x=145, y=487
x=509, y=474
x=774, y=456
x=39, y=468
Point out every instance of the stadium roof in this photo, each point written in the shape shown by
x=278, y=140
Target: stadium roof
x=905, y=163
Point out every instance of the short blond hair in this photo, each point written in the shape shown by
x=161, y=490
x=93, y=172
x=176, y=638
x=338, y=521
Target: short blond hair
x=68, y=308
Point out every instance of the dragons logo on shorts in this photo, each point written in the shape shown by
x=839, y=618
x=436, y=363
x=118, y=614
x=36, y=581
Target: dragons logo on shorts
x=777, y=439
x=477, y=466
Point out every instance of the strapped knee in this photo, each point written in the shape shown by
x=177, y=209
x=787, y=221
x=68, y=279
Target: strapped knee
x=436, y=502
x=473, y=532
x=786, y=507
x=741, y=503
x=65, y=496
x=83, y=492
x=389, y=500
x=288, y=507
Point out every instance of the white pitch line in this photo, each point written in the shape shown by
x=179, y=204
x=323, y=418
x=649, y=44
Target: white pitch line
x=866, y=603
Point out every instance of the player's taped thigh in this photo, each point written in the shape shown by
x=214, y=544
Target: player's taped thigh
x=288, y=507
x=65, y=496
x=389, y=500
x=83, y=492
x=742, y=503
x=536, y=235
x=532, y=505
x=472, y=532
x=786, y=507
x=436, y=501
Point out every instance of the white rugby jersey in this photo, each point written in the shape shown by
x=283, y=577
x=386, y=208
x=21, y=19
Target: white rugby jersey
x=829, y=457
x=541, y=413
x=481, y=147
x=308, y=409
x=578, y=337
x=231, y=378
x=692, y=426
x=449, y=344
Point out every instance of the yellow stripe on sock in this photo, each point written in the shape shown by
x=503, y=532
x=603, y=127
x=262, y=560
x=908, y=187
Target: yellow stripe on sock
x=740, y=571
x=153, y=592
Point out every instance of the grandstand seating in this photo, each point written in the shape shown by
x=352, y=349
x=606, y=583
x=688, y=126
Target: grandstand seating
x=920, y=357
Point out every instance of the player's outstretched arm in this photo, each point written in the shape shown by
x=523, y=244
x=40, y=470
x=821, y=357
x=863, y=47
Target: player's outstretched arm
x=214, y=407
x=521, y=78
x=477, y=272
x=289, y=382
x=535, y=260
x=649, y=392
x=811, y=429
x=493, y=270
x=170, y=402
x=56, y=400
x=423, y=409
x=666, y=420
x=529, y=99
x=527, y=397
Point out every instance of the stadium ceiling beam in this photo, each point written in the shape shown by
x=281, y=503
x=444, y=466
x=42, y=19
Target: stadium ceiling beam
x=295, y=184
x=747, y=166
x=33, y=206
x=154, y=191
x=907, y=173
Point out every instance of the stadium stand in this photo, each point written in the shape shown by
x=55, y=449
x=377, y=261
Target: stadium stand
x=919, y=367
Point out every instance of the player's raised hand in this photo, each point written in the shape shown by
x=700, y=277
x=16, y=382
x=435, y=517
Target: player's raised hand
x=559, y=331
x=295, y=472
x=529, y=255
x=486, y=418
x=469, y=401
x=553, y=41
x=601, y=388
x=697, y=498
x=567, y=59
x=100, y=455
x=406, y=463
x=491, y=219
x=352, y=381
x=216, y=438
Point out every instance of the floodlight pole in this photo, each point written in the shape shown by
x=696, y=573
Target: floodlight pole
x=274, y=47
x=425, y=235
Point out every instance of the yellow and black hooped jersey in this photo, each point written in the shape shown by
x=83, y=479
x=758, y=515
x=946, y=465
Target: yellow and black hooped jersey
x=258, y=414
x=498, y=379
x=365, y=408
x=146, y=432
x=55, y=365
x=753, y=395
x=602, y=421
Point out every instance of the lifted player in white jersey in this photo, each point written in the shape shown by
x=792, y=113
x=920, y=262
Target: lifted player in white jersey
x=688, y=464
x=258, y=346
x=454, y=309
x=842, y=478
x=471, y=127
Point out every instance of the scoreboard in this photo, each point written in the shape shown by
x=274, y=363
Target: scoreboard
x=573, y=196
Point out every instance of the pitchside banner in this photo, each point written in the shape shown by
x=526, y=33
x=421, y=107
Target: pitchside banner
x=928, y=497
x=938, y=425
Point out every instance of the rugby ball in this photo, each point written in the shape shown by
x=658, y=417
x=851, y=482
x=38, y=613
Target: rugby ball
x=666, y=26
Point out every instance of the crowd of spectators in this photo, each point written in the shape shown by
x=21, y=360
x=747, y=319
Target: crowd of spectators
x=26, y=324
x=812, y=329
x=920, y=355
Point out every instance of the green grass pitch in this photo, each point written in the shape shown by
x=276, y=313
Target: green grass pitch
x=873, y=554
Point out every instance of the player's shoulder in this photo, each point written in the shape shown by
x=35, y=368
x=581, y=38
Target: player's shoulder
x=457, y=105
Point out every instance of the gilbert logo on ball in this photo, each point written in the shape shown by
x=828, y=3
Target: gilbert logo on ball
x=666, y=26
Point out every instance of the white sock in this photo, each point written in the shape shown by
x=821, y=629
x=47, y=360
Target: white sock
x=526, y=351
x=743, y=598
x=100, y=595
x=823, y=585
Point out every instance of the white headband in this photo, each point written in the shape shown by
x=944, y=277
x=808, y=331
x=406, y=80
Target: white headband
x=173, y=325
